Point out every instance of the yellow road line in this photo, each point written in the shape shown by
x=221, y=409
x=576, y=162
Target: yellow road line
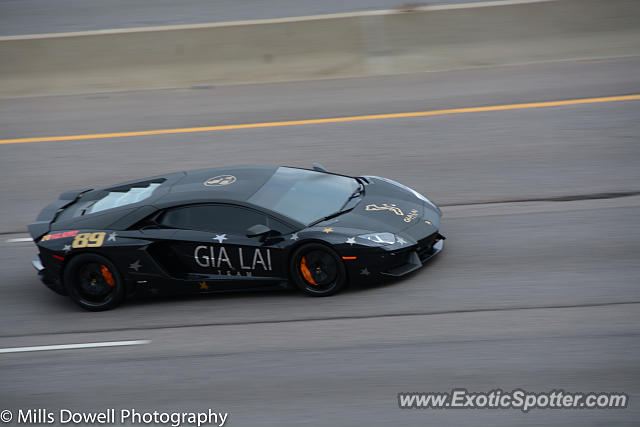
x=635, y=97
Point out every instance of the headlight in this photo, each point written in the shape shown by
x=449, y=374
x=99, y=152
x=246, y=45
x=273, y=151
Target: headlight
x=380, y=238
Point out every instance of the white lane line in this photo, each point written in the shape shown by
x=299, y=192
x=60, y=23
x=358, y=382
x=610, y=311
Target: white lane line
x=20, y=239
x=400, y=10
x=74, y=346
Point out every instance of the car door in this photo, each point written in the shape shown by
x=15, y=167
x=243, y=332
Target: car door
x=211, y=242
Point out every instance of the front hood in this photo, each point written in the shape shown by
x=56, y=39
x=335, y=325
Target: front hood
x=387, y=207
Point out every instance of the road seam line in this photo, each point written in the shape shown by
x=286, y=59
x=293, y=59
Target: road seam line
x=333, y=318
x=478, y=204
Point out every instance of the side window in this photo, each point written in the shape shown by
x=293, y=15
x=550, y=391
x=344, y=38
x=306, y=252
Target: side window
x=213, y=218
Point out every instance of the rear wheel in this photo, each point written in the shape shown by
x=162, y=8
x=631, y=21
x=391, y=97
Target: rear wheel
x=93, y=282
x=318, y=270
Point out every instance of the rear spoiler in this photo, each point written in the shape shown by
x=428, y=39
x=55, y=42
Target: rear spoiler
x=49, y=214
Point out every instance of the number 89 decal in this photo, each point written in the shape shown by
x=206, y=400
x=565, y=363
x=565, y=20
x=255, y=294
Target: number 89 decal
x=88, y=240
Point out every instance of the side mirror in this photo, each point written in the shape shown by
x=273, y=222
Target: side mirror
x=318, y=167
x=258, y=230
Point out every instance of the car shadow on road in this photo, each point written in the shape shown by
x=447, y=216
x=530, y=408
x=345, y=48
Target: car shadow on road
x=276, y=293
x=389, y=281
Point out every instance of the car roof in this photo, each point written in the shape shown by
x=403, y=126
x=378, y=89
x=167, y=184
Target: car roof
x=236, y=183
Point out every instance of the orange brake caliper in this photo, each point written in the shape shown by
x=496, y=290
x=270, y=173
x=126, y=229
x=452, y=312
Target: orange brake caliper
x=305, y=271
x=108, y=277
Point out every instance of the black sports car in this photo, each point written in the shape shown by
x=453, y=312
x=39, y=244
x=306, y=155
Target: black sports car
x=232, y=228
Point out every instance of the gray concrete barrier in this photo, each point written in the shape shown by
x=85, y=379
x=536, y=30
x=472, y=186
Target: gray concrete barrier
x=344, y=45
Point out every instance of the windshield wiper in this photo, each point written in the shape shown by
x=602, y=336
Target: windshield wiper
x=358, y=193
x=333, y=215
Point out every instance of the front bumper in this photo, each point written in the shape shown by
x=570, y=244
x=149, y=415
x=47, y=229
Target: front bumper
x=415, y=258
x=380, y=263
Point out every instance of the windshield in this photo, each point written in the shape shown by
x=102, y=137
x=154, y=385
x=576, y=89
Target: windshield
x=303, y=195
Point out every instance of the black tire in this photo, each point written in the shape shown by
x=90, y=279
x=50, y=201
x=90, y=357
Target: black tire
x=325, y=272
x=93, y=282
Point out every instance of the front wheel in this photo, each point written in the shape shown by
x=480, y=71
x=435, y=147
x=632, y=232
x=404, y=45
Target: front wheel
x=317, y=270
x=93, y=282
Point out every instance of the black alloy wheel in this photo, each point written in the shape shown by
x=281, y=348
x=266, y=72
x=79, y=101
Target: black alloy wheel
x=93, y=282
x=317, y=270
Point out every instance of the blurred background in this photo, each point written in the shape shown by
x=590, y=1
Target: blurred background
x=523, y=125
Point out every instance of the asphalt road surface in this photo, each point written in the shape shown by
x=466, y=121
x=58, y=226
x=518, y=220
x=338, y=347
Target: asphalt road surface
x=537, y=287
x=57, y=16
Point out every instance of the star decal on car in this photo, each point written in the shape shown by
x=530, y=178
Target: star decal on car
x=220, y=237
x=351, y=240
x=112, y=237
x=136, y=265
x=327, y=230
